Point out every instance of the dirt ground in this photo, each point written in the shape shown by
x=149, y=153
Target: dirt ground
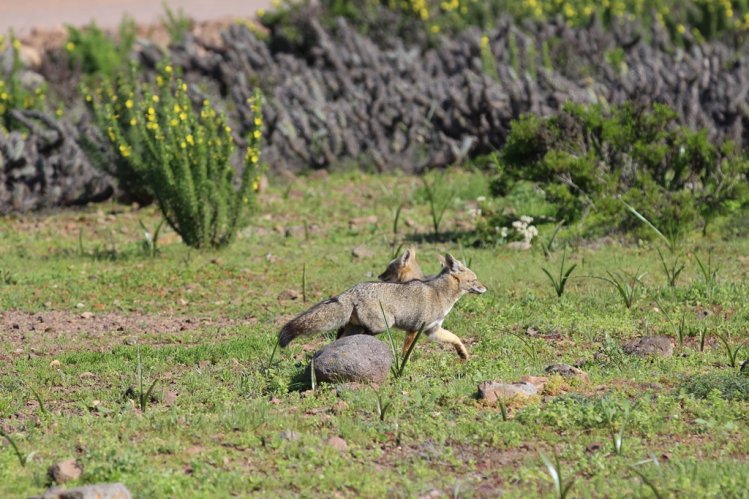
x=23, y=17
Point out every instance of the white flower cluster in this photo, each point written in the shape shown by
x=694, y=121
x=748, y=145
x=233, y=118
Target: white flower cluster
x=521, y=230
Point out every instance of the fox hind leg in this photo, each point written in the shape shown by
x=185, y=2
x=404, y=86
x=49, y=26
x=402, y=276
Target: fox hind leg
x=445, y=336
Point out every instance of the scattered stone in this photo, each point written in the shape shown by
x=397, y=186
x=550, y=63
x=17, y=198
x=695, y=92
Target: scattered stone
x=568, y=371
x=593, y=447
x=491, y=391
x=337, y=443
x=290, y=436
x=87, y=315
x=86, y=375
x=79, y=305
x=170, y=398
x=65, y=471
x=96, y=491
x=55, y=363
x=361, y=222
x=744, y=369
x=518, y=245
x=661, y=346
x=288, y=294
x=362, y=252
x=360, y=358
x=538, y=381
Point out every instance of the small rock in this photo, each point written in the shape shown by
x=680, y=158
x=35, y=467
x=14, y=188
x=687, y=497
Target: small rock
x=337, y=443
x=662, y=346
x=87, y=315
x=288, y=294
x=538, y=381
x=296, y=232
x=55, y=363
x=593, y=447
x=86, y=375
x=130, y=341
x=65, y=471
x=360, y=358
x=79, y=305
x=290, y=436
x=491, y=391
x=568, y=371
x=170, y=398
x=96, y=491
x=744, y=369
x=360, y=222
x=518, y=245
x=362, y=252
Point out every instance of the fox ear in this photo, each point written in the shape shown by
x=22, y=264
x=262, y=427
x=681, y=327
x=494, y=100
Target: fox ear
x=452, y=263
x=407, y=255
x=442, y=261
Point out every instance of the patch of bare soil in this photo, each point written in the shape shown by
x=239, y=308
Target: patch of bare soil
x=52, y=332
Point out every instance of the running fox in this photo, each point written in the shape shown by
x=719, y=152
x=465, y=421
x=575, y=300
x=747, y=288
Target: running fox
x=408, y=306
x=404, y=269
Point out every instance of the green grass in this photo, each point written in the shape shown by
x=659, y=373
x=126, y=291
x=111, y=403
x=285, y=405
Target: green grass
x=242, y=421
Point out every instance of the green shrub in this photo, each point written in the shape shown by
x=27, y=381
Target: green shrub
x=587, y=158
x=13, y=94
x=97, y=52
x=731, y=385
x=181, y=155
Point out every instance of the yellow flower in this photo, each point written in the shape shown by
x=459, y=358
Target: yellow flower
x=184, y=87
x=133, y=122
x=159, y=80
x=484, y=41
x=129, y=103
x=88, y=98
x=16, y=44
x=168, y=69
x=183, y=145
x=434, y=28
x=177, y=108
x=155, y=98
x=183, y=116
x=258, y=121
x=257, y=134
x=174, y=122
x=124, y=150
x=70, y=46
x=190, y=140
x=228, y=129
x=680, y=28
x=4, y=96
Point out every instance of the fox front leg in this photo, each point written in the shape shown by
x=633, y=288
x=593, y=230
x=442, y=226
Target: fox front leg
x=445, y=336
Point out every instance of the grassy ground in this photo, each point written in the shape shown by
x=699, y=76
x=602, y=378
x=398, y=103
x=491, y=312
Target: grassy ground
x=80, y=298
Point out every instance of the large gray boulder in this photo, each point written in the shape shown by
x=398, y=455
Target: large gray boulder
x=97, y=491
x=359, y=358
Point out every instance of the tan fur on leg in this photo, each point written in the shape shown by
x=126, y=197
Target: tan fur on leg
x=445, y=336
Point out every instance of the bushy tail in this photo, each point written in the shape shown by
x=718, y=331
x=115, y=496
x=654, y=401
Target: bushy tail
x=325, y=316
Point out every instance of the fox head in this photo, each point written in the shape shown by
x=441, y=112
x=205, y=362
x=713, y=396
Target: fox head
x=467, y=280
x=402, y=269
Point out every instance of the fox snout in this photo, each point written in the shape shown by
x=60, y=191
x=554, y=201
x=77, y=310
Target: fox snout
x=477, y=288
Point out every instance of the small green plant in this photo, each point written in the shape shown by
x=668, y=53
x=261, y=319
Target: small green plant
x=143, y=395
x=151, y=239
x=98, y=53
x=7, y=278
x=732, y=351
x=178, y=24
x=14, y=94
x=648, y=481
x=709, y=274
x=560, y=282
x=398, y=367
x=530, y=349
x=312, y=374
x=38, y=398
x=549, y=246
x=672, y=266
x=304, y=283
x=181, y=155
x=382, y=405
x=561, y=488
x=23, y=459
x=679, y=328
x=610, y=412
x=439, y=194
x=625, y=283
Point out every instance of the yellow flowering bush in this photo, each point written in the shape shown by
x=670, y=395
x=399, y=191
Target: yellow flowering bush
x=13, y=95
x=182, y=154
